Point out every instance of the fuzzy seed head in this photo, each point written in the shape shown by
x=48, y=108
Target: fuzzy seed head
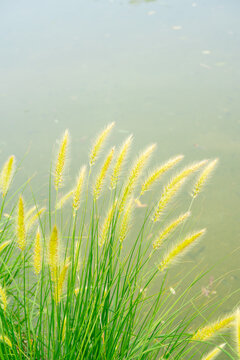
x=53, y=253
x=21, y=232
x=60, y=282
x=5, y=339
x=3, y=298
x=168, y=194
x=214, y=353
x=34, y=218
x=237, y=327
x=120, y=161
x=78, y=189
x=6, y=175
x=3, y=245
x=102, y=175
x=126, y=221
x=179, y=249
x=30, y=212
x=210, y=330
x=156, y=174
x=169, y=229
x=64, y=199
x=107, y=224
x=61, y=161
x=99, y=143
x=135, y=173
x=204, y=176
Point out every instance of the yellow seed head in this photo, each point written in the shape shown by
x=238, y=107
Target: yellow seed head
x=5, y=339
x=97, y=146
x=64, y=329
x=169, y=229
x=135, y=174
x=21, y=232
x=61, y=161
x=76, y=291
x=3, y=298
x=37, y=254
x=60, y=282
x=180, y=249
x=120, y=161
x=214, y=353
x=238, y=331
x=174, y=186
x=126, y=221
x=30, y=212
x=78, y=189
x=3, y=245
x=188, y=171
x=6, y=175
x=102, y=175
x=53, y=253
x=210, y=330
x=204, y=177
x=33, y=219
x=156, y=174
x=168, y=194
x=63, y=200
x=107, y=224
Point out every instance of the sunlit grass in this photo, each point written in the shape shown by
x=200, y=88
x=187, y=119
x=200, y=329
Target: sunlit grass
x=78, y=280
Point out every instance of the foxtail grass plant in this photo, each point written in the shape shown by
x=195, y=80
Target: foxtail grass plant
x=86, y=277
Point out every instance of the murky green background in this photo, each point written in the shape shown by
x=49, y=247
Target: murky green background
x=166, y=71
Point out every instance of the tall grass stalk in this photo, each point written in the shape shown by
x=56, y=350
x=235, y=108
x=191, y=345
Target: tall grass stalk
x=87, y=279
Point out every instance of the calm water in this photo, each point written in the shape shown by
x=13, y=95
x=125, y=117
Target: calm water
x=166, y=71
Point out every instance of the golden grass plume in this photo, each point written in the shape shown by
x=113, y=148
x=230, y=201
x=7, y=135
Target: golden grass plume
x=126, y=219
x=120, y=161
x=31, y=221
x=169, y=229
x=204, y=176
x=6, y=175
x=37, y=253
x=157, y=173
x=180, y=249
x=4, y=244
x=3, y=298
x=214, y=353
x=99, y=142
x=102, y=174
x=106, y=227
x=60, y=281
x=6, y=340
x=172, y=188
x=64, y=199
x=135, y=173
x=78, y=188
x=213, y=328
x=168, y=194
x=53, y=250
x=61, y=161
x=21, y=231
x=30, y=212
x=237, y=328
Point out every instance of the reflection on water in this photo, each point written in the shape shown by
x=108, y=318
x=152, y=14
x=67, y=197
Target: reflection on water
x=168, y=72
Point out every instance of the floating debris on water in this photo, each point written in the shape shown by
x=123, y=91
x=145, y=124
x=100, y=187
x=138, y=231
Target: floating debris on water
x=172, y=291
x=150, y=13
x=177, y=27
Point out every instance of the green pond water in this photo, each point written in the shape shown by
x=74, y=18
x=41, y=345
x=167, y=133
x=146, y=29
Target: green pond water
x=165, y=71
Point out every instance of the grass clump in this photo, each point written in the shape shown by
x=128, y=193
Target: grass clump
x=78, y=279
